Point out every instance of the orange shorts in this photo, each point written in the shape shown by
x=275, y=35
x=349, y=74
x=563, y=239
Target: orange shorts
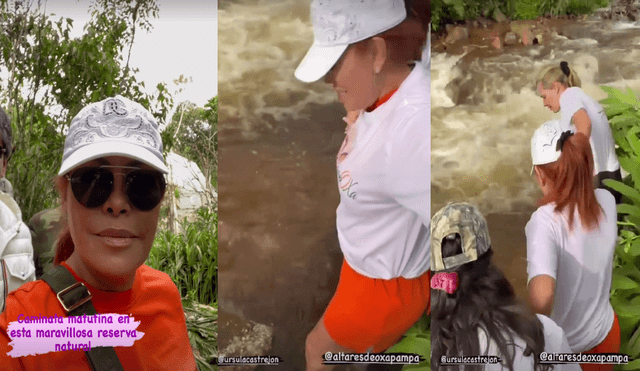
x=370, y=314
x=610, y=344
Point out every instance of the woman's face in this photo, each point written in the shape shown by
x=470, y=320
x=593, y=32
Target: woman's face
x=353, y=78
x=113, y=240
x=551, y=97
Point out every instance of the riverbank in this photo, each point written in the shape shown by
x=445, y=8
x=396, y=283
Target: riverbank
x=495, y=31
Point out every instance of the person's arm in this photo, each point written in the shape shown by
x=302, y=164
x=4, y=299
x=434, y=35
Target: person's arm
x=542, y=290
x=582, y=122
x=542, y=261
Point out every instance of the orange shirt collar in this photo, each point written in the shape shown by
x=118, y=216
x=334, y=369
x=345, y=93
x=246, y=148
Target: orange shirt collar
x=381, y=100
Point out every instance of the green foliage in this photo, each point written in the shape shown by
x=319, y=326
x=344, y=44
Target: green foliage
x=202, y=327
x=52, y=76
x=623, y=111
x=193, y=133
x=191, y=260
x=191, y=257
x=561, y=7
x=451, y=11
x=417, y=340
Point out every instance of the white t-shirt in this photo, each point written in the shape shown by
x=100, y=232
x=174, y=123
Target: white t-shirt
x=581, y=262
x=555, y=341
x=602, y=144
x=384, y=179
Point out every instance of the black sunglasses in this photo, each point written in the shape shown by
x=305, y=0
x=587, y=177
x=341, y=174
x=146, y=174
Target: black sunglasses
x=92, y=186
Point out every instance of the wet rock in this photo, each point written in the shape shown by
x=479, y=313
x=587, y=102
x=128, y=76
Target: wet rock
x=520, y=26
x=242, y=337
x=456, y=34
x=496, y=42
x=484, y=22
x=620, y=10
x=539, y=39
x=634, y=11
x=602, y=13
x=510, y=38
x=499, y=16
x=527, y=37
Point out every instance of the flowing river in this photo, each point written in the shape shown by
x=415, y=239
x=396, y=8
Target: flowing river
x=279, y=258
x=485, y=110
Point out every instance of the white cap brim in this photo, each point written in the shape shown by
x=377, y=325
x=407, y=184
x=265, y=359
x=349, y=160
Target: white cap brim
x=318, y=61
x=111, y=148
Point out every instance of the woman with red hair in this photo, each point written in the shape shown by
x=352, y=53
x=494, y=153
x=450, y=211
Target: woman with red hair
x=570, y=243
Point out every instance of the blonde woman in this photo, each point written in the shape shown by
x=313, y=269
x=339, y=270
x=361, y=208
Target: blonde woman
x=559, y=87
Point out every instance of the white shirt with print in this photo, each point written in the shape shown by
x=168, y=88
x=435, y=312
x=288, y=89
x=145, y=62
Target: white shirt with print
x=384, y=179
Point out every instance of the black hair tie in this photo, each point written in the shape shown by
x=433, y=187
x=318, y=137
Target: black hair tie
x=563, y=138
x=564, y=66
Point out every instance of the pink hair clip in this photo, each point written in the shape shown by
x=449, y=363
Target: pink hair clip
x=445, y=281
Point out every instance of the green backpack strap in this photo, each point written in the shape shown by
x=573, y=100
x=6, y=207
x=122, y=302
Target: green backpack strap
x=76, y=301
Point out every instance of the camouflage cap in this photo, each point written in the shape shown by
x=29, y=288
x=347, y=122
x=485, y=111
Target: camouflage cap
x=466, y=220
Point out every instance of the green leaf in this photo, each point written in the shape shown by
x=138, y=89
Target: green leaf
x=629, y=209
x=633, y=140
x=627, y=191
x=633, y=365
x=633, y=347
x=412, y=344
x=620, y=282
x=634, y=249
x=423, y=366
x=626, y=308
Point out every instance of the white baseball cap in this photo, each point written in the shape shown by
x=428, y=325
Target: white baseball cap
x=339, y=23
x=544, y=143
x=113, y=127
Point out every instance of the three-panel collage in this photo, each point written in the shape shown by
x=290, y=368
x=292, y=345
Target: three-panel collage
x=316, y=185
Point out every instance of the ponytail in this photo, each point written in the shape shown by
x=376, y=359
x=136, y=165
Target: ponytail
x=561, y=74
x=571, y=181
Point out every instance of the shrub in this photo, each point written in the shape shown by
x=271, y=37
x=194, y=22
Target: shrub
x=623, y=111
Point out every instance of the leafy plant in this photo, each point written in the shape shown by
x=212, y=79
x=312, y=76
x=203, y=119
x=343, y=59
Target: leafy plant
x=623, y=111
x=190, y=258
x=451, y=11
x=417, y=340
x=202, y=327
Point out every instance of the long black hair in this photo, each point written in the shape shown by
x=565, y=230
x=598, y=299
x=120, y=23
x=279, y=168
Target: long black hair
x=484, y=299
